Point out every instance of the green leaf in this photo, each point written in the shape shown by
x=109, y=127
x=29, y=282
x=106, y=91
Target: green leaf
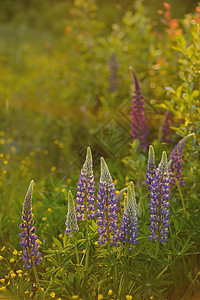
x=57, y=243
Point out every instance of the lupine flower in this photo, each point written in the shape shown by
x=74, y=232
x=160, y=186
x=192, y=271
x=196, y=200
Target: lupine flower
x=31, y=255
x=151, y=166
x=166, y=131
x=159, y=202
x=85, y=191
x=176, y=158
x=138, y=118
x=107, y=209
x=71, y=221
x=113, y=74
x=129, y=223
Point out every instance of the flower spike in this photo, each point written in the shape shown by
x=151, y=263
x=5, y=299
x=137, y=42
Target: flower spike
x=159, y=185
x=85, y=191
x=107, y=209
x=176, y=157
x=139, y=126
x=71, y=222
x=31, y=255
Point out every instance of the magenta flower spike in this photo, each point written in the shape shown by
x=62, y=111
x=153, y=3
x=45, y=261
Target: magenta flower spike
x=176, y=158
x=138, y=118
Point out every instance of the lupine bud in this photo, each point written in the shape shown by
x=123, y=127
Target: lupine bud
x=138, y=119
x=159, y=202
x=151, y=166
x=85, y=191
x=166, y=131
x=31, y=255
x=107, y=209
x=176, y=157
x=71, y=222
x=129, y=224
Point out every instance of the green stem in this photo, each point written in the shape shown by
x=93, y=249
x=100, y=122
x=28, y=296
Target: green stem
x=37, y=282
x=76, y=250
x=157, y=247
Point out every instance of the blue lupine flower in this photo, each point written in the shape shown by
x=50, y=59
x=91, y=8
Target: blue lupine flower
x=159, y=202
x=85, y=191
x=129, y=223
x=176, y=158
x=31, y=255
x=151, y=166
x=71, y=221
x=106, y=208
x=138, y=119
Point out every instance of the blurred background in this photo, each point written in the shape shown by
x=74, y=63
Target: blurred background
x=65, y=82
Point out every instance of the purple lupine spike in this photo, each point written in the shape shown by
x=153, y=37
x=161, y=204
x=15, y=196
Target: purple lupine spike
x=113, y=74
x=129, y=223
x=71, y=221
x=107, y=208
x=151, y=166
x=176, y=158
x=166, y=131
x=31, y=255
x=138, y=118
x=159, y=202
x=85, y=192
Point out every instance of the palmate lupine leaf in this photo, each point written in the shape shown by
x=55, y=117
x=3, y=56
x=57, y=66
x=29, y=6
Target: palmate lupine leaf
x=138, y=118
x=31, y=255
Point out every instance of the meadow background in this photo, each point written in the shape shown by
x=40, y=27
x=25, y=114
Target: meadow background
x=65, y=84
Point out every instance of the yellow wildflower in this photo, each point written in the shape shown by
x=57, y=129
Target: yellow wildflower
x=26, y=292
x=129, y=297
x=3, y=248
x=2, y=288
x=75, y=297
x=13, y=275
x=44, y=218
x=52, y=295
x=60, y=236
x=19, y=271
x=63, y=190
x=12, y=260
x=110, y=292
x=15, y=252
x=49, y=209
x=117, y=192
x=100, y=297
x=1, y=257
x=2, y=280
x=53, y=169
x=4, y=172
